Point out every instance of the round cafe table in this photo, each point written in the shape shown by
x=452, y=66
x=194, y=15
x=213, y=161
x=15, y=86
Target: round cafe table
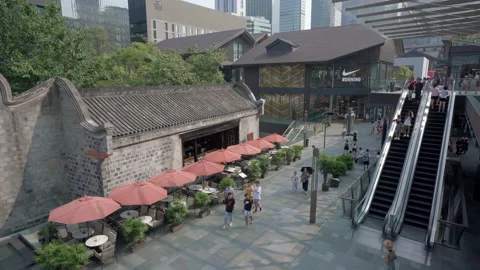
x=129, y=214
x=209, y=190
x=82, y=233
x=195, y=187
x=145, y=219
x=96, y=241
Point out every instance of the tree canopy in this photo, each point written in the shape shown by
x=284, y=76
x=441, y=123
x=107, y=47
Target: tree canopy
x=403, y=73
x=36, y=45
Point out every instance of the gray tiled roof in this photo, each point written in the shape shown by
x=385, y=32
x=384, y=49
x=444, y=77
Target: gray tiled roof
x=138, y=109
x=315, y=45
x=203, y=42
x=258, y=36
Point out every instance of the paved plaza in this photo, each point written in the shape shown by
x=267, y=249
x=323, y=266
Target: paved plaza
x=281, y=237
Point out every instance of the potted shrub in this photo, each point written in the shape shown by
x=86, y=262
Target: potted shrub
x=325, y=164
x=175, y=215
x=254, y=170
x=202, y=201
x=297, y=152
x=278, y=159
x=225, y=182
x=347, y=160
x=133, y=231
x=48, y=233
x=60, y=256
x=264, y=166
x=289, y=154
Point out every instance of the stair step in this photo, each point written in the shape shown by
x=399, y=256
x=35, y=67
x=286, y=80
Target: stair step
x=415, y=222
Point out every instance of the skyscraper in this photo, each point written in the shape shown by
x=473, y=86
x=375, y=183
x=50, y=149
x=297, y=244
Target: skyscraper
x=236, y=7
x=292, y=15
x=260, y=8
x=326, y=14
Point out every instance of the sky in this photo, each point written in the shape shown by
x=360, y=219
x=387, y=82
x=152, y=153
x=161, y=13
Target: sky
x=211, y=4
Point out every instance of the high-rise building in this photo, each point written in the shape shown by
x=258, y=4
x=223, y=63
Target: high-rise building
x=256, y=25
x=260, y=8
x=326, y=14
x=236, y=7
x=292, y=15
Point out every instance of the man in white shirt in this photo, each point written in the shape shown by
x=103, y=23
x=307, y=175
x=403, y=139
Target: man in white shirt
x=257, y=196
x=229, y=189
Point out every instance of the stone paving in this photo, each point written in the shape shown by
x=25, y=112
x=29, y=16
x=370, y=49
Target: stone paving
x=281, y=237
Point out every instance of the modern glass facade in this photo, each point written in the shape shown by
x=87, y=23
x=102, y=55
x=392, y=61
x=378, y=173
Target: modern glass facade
x=259, y=8
x=113, y=15
x=326, y=14
x=283, y=106
x=256, y=25
x=292, y=15
x=236, y=7
x=285, y=76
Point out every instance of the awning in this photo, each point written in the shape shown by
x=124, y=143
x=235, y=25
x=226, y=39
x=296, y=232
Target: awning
x=399, y=19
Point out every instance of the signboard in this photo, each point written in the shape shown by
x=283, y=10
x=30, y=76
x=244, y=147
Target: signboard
x=431, y=74
x=350, y=76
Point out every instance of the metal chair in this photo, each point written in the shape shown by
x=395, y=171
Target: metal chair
x=105, y=255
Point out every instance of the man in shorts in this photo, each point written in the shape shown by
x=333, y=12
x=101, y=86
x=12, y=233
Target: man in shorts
x=257, y=196
x=229, y=205
x=366, y=160
x=247, y=210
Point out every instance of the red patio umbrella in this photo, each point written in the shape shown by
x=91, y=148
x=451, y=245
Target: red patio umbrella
x=173, y=178
x=203, y=168
x=84, y=209
x=275, y=138
x=138, y=193
x=244, y=149
x=223, y=156
x=261, y=143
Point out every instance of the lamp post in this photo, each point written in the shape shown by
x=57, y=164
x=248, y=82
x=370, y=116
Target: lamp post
x=305, y=119
x=313, y=191
x=326, y=124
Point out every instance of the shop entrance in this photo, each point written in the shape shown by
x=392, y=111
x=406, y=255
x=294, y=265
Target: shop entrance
x=198, y=143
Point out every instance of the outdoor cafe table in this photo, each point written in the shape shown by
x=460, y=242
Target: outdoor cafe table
x=129, y=214
x=82, y=233
x=209, y=190
x=195, y=187
x=96, y=241
x=145, y=219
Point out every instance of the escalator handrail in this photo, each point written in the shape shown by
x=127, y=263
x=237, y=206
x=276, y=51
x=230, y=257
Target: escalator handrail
x=438, y=191
x=396, y=213
x=367, y=199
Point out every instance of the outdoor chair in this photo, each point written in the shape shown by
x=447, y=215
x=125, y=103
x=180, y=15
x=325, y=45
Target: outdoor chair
x=90, y=253
x=143, y=210
x=105, y=255
x=214, y=185
x=157, y=221
x=62, y=232
x=112, y=238
x=98, y=228
x=71, y=228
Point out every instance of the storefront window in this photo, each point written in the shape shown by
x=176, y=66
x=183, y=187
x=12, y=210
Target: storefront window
x=285, y=76
x=320, y=103
x=283, y=106
x=341, y=105
x=322, y=76
x=351, y=74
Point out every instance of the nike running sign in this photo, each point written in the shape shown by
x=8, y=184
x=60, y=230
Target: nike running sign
x=348, y=73
x=350, y=79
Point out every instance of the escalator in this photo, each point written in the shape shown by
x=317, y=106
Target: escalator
x=419, y=203
x=392, y=169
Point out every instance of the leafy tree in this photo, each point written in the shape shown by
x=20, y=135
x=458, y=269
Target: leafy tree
x=36, y=46
x=98, y=37
x=57, y=255
x=206, y=65
x=403, y=73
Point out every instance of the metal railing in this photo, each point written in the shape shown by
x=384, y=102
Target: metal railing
x=356, y=191
x=362, y=208
x=388, y=85
x=394, y=218
x=289, y=129
x=439, y=184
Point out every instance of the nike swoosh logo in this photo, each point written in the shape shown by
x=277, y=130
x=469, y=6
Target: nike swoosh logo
x=348, y=73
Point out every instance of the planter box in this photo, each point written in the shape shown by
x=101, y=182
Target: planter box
x=203, y=214
x=334, y=182
x=137, y=246
x=174, y=228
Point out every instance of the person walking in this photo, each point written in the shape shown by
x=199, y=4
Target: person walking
x=229, y=205
x=366, y=159
x=408, y=123
x=247, y=210
x=346, y=147
x=389, y=257
x=398, y=127
x=249, y=190
x=443, y=99
x=435, y=94
x=304, y=178
x=257, y=197
x=344, y=132
x=418, y=90
x=229, y=189
x=294, y=181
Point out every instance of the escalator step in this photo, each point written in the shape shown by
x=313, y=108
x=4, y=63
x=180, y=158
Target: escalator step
x=423, y=202
x=420, y=211
x=415, y=222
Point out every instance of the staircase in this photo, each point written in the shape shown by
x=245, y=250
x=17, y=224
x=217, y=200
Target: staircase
x=392, y=169
x=419, y=202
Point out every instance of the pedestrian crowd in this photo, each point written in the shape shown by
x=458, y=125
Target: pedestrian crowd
x=251, y=201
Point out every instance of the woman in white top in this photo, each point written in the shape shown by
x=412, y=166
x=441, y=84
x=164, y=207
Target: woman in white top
x=443, y=99
x=435, y=94
x=408, y=124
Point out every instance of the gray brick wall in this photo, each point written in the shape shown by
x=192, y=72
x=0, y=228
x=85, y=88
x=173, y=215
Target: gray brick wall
x=31, y=163
x=137, y=162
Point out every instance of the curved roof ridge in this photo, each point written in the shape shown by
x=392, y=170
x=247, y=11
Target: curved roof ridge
x=36, y=92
